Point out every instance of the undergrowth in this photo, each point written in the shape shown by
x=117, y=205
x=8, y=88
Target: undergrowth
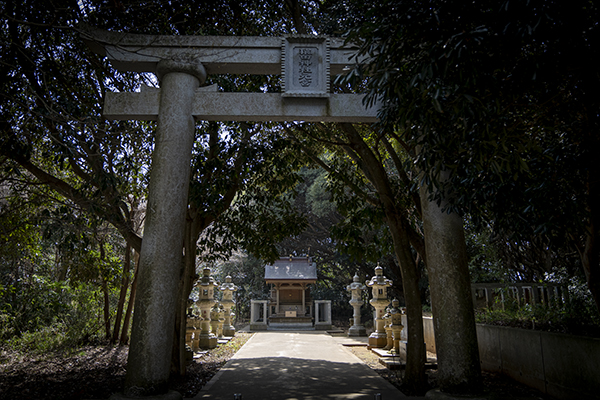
x=578, y=316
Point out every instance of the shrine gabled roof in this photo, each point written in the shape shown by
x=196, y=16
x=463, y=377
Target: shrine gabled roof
x=292, y=268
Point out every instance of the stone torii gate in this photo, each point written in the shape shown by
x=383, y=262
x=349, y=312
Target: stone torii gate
x=182, y=64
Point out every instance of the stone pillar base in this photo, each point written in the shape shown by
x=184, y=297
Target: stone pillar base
x=189, y=354
x=403, y=348
x=207, y=341
x=357, y=331
x=377, y=340
x=229, y=332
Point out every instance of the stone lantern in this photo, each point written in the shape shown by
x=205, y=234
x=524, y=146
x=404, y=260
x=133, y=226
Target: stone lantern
x=387, y=326
x=228, y=288
x=206, y=299
x=356, y=288
x=216, y=320
x=190, y=328
x=396, y=324
x=379, y=285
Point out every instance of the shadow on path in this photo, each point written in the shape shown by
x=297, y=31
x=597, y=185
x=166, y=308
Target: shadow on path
x=295, y=378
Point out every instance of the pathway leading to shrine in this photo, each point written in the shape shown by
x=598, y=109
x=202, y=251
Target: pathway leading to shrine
x=297, y=365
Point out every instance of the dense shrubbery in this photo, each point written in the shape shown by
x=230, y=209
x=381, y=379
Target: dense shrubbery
x=577, y=316
x=42, y=315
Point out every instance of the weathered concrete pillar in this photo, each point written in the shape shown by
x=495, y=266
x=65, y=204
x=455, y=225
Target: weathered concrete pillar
x=323, y=315
x=215, y=321
x=149, y=360
x=451, y=302
x=255, y=316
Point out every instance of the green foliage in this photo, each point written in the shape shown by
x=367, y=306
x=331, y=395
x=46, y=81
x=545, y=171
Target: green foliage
x=244, y=180
x=42, y=315
x=492, y=92
x=485, y=264
x=575, y=314
x=578, y=317
x=496, y=96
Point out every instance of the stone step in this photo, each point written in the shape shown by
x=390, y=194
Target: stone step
x=291, y=327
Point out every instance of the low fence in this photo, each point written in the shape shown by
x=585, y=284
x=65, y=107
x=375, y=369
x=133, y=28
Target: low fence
x=488, y=295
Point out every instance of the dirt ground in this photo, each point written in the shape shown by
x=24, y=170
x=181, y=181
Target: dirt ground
x=95, y=372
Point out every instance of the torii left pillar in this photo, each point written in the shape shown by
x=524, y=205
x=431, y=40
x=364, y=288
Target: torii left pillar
x=161, y=256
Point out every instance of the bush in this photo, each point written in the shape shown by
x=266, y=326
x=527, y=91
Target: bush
x=578, y=316
x=51, y=315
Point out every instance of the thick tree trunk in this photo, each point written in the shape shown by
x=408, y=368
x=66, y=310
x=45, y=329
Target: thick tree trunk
x=459, y=371
x=591, y=263
x=122, y=294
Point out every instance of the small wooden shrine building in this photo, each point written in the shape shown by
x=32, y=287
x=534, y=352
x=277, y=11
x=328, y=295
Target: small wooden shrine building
x=290, y=305
x=290, y=294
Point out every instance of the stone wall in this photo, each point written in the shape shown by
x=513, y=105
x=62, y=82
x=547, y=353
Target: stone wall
x=564, y=366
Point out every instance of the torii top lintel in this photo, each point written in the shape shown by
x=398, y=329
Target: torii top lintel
x=259, y=55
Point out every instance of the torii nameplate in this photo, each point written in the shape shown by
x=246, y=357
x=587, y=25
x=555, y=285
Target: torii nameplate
x=305, y=66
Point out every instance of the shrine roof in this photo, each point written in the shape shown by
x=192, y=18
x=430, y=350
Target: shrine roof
x=292, y=268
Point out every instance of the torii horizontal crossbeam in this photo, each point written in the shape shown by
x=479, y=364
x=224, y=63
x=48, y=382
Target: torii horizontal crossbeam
x=220, y=106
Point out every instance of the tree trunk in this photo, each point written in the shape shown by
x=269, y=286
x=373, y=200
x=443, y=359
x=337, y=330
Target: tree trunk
x=459, y=370
x=415, y=380
x=106, y=308
x=106, y=297
x=123, y=293
x=185, y=287
x=125, y=330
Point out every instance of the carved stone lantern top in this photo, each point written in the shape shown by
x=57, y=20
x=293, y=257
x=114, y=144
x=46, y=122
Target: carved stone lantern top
x=355, y=285
x=379, y=283
x=228, y=285
x=207, y=286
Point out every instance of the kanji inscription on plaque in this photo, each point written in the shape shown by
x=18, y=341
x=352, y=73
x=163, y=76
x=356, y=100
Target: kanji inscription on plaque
x=305, y=66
